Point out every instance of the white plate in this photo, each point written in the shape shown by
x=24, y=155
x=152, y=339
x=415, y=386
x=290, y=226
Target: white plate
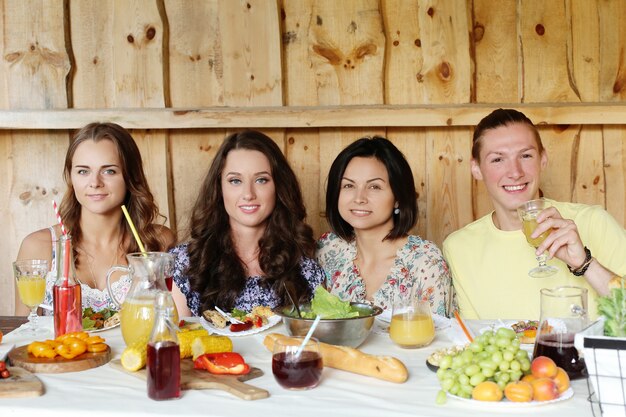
x=103, y=329
x=271, y=321
x=510, y=404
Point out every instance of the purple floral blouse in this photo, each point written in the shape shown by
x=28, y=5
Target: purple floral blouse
x=418, y=263
x=253, y=294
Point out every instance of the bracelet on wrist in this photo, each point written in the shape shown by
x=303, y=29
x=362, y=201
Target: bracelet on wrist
x=580, y=271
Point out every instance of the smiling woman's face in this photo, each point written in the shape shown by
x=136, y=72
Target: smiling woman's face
x=97, y=176
x=366, y=200
x=248, y=188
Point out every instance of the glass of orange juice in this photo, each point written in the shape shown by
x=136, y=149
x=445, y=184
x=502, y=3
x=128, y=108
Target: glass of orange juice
x=411, y=322
x=30, y=279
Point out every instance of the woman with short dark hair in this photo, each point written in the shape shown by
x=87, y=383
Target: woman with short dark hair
x=371, y=206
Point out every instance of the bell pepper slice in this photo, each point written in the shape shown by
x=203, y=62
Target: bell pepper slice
x=223, y=363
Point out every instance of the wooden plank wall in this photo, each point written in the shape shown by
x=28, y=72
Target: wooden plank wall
x=196, y=54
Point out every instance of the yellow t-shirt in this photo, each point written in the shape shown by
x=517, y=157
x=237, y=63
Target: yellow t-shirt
x=490, y=266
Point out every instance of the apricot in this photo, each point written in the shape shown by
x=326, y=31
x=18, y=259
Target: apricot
x=487, y=391
x=518, y=391
x=544, y=389
x=562, y=380
x=543, y=367
x=528, y=378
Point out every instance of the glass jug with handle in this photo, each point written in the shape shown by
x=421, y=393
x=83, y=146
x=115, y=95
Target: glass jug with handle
x=148, y=272
x=563, y=314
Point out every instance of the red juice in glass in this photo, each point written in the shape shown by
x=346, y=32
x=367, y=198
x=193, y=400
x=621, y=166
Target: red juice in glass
x=297, y=373
x=168, y=282
x=163, y=370
x=68, y=312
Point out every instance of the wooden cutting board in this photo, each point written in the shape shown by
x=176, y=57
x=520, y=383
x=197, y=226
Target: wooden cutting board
x=20, y=357
x=20, y=384
x=191, y=378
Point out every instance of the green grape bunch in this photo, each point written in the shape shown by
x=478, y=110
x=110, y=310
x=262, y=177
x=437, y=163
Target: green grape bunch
x=493, y=356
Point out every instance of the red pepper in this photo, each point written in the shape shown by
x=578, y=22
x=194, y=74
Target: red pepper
x=258, y=321
x=240, y=327
x=222, y=363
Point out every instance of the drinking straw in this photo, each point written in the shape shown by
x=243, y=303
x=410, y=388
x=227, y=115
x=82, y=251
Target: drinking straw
x=132, y=228
x=308, y=335
x=66, y=257
x=467, y=333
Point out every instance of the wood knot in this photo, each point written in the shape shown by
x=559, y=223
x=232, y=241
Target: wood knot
x=291, y=140
x=333, y=56
x=540, y=29
x=283, y=15
x=396, y=43
x=418, y=43
x=479, y=32
x=363, y=50
x=95, y=60
x=130, y=38
x=352, y=27
x=289, y=37
x=445, y=70
x=596, y=180
x=251, y=77
x=248, y=6
x=150, y=33
x=318, y=20
x=419, y=77
x=431, y=12
x=449, y=121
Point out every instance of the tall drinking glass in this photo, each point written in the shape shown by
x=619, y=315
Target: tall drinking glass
x=30, y=278
x=528, y=214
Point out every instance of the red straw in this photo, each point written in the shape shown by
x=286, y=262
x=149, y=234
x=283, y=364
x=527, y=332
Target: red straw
x=56, y=211
x=66, y=260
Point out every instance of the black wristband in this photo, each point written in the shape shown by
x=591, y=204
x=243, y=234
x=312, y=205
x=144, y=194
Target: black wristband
x=583, y=268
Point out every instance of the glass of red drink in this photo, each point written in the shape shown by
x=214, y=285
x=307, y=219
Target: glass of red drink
x=294, y=368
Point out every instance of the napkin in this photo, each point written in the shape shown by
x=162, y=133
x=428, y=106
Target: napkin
x=5, y=348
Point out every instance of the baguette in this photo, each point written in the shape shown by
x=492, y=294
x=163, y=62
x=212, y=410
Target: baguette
x=353, y=360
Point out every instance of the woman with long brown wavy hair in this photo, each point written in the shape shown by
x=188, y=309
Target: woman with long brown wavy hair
x=248, y=236
x=103, y=170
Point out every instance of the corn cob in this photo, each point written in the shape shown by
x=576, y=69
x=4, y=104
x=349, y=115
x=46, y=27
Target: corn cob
x=134, y=356
x=210, y=344
x=185, y=338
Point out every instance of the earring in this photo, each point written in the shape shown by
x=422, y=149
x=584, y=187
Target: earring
x=396, y=211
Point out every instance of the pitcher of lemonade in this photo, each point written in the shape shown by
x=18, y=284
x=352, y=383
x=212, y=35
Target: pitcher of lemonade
x=148, y=271
x=563, y=314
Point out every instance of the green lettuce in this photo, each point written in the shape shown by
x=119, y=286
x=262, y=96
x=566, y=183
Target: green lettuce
x=613, y=308
x=329, y=306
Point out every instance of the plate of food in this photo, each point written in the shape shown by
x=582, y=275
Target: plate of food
x=504, y=403
x=526, y=330
x=99, y=321
x=239, y=323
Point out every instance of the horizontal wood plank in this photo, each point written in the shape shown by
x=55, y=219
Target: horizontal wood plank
x=311, y=116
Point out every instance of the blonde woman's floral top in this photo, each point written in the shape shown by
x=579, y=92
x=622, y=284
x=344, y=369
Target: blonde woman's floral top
x=418, y=263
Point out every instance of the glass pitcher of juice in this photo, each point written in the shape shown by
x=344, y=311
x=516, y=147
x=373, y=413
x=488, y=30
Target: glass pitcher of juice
x=563, y=314
x=148, y=271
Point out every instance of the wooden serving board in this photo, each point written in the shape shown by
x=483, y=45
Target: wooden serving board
x=20, y=357
x=20, y=384
x=191, y=378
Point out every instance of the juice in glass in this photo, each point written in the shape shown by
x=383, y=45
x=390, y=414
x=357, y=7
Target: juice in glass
x=137, y=317
x=68, y=310
x=32, y=290
x=528, y=226
x=412, y=330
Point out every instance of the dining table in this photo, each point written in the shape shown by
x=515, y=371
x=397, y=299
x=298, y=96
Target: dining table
x=108, y=391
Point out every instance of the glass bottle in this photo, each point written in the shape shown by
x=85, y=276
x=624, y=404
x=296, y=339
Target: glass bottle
x=163, y=362
x=66, y=293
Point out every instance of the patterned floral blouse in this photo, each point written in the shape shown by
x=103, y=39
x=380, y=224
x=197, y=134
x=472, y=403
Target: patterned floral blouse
x=253, y=294
x=418, y=263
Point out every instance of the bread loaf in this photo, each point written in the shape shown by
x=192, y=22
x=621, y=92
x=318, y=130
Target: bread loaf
x=353, y=360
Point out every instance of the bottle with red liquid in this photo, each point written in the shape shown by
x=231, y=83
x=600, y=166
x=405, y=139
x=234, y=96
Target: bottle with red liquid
x=163, y=352
x=66, y=293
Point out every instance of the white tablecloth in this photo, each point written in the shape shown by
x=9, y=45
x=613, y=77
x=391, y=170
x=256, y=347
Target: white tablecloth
x=105, y=391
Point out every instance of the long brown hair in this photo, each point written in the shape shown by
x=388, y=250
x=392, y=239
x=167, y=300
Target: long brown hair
x=215, y=270
x=139, y=200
